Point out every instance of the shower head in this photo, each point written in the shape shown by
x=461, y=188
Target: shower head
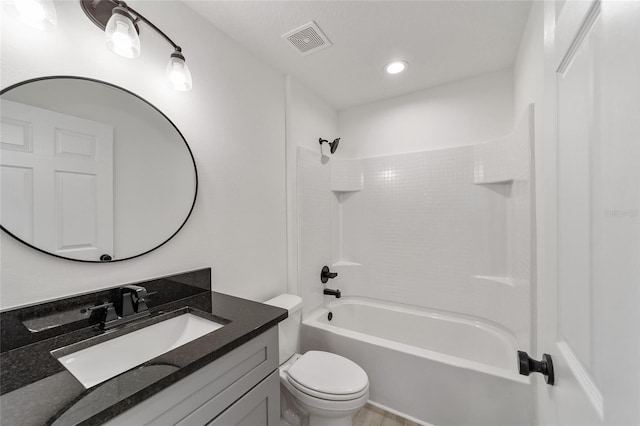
x=333, y=145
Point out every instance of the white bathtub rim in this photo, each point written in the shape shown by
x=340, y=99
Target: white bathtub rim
x=312, y=321
x=422, y=311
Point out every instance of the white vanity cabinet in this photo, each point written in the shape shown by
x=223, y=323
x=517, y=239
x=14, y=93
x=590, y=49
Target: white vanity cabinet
x=239, y=388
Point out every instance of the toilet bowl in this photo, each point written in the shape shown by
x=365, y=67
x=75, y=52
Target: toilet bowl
x=325, y=388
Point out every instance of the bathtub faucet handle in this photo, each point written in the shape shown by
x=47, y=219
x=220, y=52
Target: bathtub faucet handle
x=326, y=274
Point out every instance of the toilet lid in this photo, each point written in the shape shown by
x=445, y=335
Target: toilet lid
x=328, y=375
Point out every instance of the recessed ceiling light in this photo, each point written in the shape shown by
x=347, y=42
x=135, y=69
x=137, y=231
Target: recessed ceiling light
x=395, y=67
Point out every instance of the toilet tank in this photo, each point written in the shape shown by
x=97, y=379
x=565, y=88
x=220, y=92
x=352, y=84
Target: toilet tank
x=289, y=329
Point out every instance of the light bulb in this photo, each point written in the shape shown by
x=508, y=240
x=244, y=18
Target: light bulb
x=120, y=38
x=178, y=73
x=121, y=35
x=40, y=14
x=395, y=67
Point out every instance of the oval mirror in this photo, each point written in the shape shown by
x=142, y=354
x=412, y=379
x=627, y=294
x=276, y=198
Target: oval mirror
x=90, y=171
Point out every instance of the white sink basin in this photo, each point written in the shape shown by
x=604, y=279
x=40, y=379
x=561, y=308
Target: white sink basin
x=103, y=361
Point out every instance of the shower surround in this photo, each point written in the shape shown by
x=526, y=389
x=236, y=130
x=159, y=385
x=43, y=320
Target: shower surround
x=447, y=229
x=446, y=234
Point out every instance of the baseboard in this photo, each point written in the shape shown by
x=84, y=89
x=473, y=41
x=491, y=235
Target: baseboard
x=398, y=413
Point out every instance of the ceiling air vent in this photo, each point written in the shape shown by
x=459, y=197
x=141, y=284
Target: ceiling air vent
x=307, y=39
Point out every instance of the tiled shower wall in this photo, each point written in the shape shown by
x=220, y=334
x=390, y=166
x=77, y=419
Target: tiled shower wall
x=448, y=229
x=314, y=224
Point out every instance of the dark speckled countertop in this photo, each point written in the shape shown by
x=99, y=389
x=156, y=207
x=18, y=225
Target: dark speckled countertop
x=36, y=389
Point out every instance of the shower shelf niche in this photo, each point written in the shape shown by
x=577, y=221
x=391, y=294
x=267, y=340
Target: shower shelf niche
x=497, y=162
x=340, y=263
x=502, y=187
x=497, y=279
x=494, y=181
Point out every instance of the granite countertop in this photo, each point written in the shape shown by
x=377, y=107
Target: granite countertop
x=36, y=389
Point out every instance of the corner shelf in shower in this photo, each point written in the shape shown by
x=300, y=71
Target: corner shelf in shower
x=344, y=263
x=497, y=279
x=495, y=181
x=498, y=185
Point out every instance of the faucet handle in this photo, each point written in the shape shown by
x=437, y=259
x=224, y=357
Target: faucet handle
x=326, y=274
x=109, y=309
x=106, y=305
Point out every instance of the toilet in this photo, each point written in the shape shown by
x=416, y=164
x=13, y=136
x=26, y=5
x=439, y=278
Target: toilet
x=325, y=388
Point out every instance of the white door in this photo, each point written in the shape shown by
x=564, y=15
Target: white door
x=57, y=181
x=589, y=235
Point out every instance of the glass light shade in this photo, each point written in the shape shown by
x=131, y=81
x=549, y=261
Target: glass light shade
x=40, y=14
x=178, y=73
x=121, y=35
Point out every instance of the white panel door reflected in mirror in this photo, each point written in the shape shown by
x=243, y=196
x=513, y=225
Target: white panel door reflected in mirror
x=57, y=181
x=90, y=171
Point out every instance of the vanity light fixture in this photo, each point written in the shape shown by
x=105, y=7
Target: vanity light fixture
x=395, y=67
x=40, y=14
x=120, y=24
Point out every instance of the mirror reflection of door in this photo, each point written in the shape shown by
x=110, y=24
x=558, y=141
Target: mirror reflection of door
x=57, y=181
x=121, y=190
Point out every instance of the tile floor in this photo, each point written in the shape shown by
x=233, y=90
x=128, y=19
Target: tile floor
x=374, y=416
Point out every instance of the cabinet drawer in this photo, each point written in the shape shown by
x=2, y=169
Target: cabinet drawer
x=216, y=385
x=259, y=407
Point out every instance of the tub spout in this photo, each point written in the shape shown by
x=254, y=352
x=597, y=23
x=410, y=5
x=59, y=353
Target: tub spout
x=332, y=292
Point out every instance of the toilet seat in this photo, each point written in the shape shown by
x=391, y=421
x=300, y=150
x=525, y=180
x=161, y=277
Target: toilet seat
x=328, y=376
x=315, y=405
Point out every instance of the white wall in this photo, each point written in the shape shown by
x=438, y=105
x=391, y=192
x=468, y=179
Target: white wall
x=456, y=114
x=233, y=119
x=309, y=118
x=528, y=70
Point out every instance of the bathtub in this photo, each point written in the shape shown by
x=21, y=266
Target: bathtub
x=434, y=368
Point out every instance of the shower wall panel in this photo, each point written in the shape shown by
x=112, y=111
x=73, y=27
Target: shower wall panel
x=314, y=224
x=448, y=229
